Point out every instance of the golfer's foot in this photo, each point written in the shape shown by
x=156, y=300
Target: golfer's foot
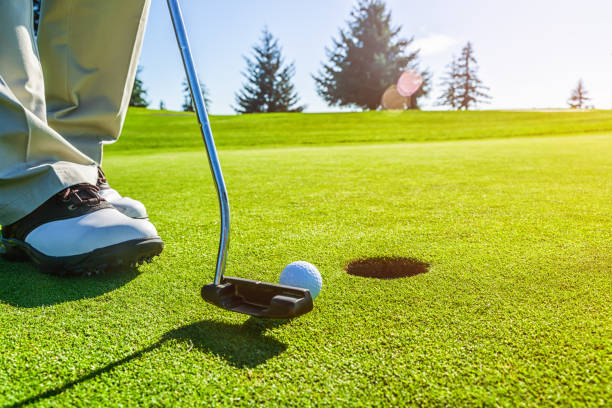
x=77, y=232
x=126, y=205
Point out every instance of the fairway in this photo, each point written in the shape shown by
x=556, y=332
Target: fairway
x=513, y=310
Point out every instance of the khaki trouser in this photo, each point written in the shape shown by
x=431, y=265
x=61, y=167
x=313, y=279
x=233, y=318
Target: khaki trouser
x=52, y=130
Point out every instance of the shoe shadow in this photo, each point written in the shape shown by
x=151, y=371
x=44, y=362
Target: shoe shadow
x=242, y=346
x=22, y=285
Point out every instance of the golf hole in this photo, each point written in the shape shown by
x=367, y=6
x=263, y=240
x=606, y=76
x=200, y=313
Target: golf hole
x=386, y=268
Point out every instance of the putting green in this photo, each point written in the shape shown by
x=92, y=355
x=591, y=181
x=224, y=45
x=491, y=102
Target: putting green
x=514, y=310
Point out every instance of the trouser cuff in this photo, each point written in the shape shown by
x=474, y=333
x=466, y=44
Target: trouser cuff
x=39, y=183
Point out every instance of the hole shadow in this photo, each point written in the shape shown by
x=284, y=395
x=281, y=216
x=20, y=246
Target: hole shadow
x=23, y=285
x=242, y=346
x=386, y=268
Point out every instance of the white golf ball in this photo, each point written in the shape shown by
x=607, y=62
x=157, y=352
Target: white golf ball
x=304, y=275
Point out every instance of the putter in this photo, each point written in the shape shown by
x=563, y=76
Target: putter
x=259, y=299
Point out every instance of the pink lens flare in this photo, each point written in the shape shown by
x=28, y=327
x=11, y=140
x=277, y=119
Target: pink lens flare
x=408, y=83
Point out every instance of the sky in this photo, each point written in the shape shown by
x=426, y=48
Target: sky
x=531, y=53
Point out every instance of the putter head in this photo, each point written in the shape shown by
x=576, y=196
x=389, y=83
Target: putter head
x=259, y=299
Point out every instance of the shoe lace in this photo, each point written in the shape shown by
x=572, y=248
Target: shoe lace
x=101, y=177
x=79, y=195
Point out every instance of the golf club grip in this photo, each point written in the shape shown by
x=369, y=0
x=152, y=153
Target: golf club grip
x=213, y=159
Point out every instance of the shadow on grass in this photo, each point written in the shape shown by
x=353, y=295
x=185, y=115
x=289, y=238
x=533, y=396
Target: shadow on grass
x=242, y=346
x=22, y=285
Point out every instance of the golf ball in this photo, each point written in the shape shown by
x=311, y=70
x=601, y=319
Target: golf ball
x=304, y=275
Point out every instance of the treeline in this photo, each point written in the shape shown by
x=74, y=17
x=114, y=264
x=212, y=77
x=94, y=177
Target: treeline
x=365, y=59
x=363, y=62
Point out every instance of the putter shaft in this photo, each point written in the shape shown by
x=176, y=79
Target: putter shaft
x=213, y=159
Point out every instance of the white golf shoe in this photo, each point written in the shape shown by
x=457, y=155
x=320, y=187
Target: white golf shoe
x=78, y=232
x=126, y=205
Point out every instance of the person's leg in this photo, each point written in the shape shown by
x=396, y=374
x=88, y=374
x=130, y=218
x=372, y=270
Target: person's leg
x=89, y=51
x=51, y=211
x=35, y=161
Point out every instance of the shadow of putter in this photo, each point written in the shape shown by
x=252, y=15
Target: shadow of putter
x=242, y=346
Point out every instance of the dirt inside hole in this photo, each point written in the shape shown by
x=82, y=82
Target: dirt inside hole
x=386, y=268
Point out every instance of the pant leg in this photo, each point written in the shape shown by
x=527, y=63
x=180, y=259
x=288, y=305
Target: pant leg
x=35, y=161
x=89, y=51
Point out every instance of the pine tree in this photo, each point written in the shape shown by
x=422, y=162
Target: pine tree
x=188, y=105
x=449, y=84
x=139, y=94
x=36, y=4
x=579, y=97
x=268, y=86
x=462, y=87
x=366, y=59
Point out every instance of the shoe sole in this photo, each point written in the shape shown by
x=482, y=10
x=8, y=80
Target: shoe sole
x=126, y=254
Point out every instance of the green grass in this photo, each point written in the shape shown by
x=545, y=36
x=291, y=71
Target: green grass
x=163, y=130
x=514, y=311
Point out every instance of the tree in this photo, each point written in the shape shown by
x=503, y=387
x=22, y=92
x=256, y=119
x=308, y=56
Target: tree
x=188, y=105
x=462, y=87
x=268, y=86
x=579, y=97
x=367, y=58
x=139, y=94
x=36, y=4
x=449, y=83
